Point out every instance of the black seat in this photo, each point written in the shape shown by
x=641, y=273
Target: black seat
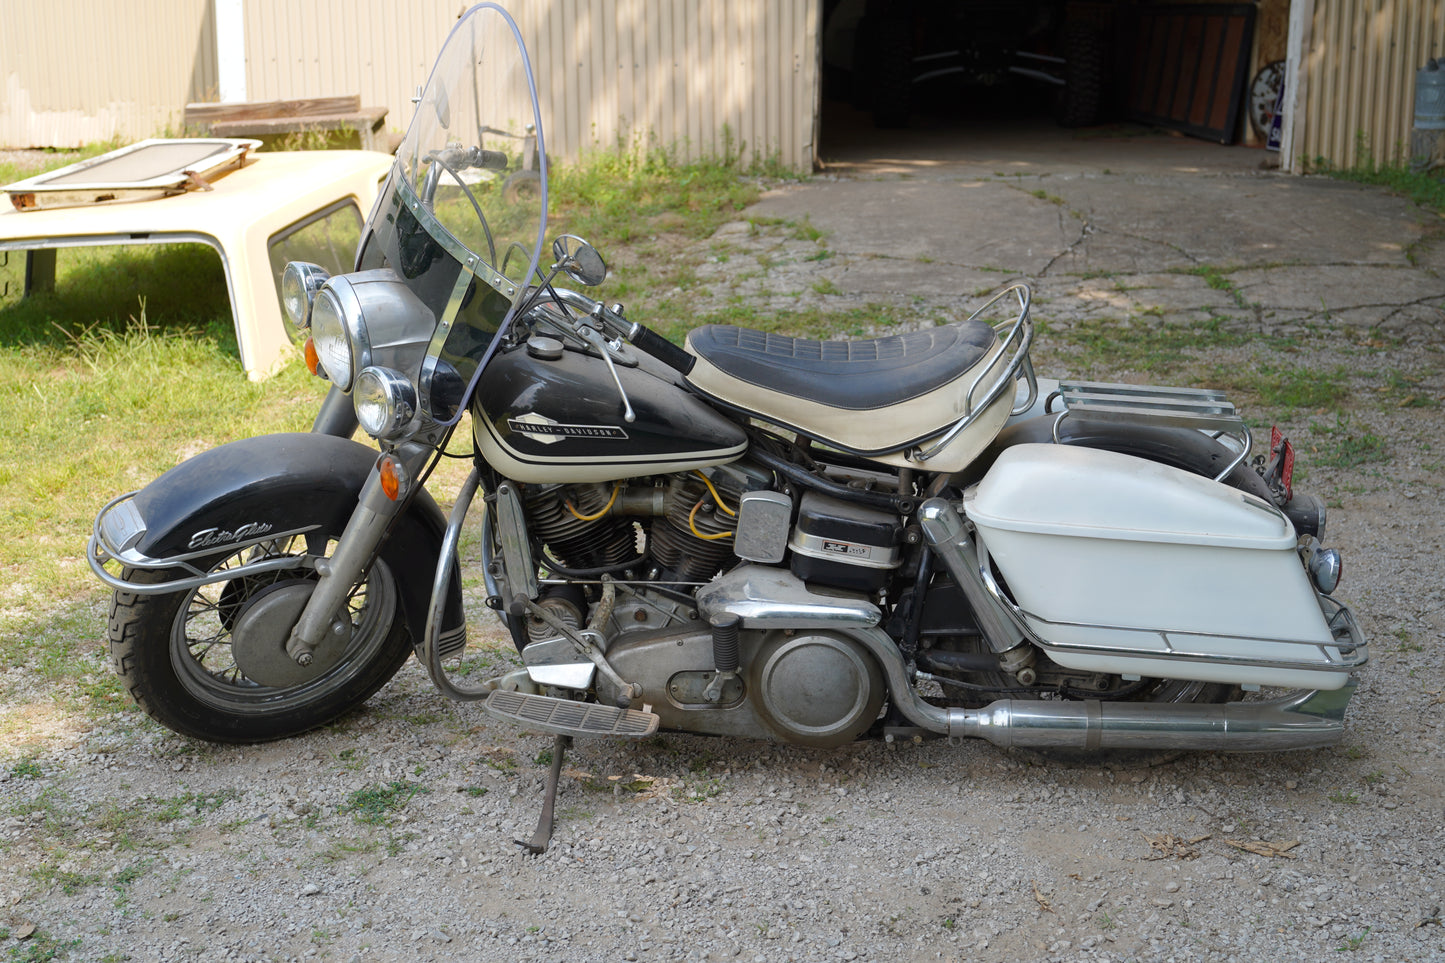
x=854, y=375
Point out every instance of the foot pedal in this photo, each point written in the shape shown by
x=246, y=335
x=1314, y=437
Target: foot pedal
x=567, y=718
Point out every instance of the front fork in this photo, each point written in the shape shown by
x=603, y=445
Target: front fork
x=324, y=614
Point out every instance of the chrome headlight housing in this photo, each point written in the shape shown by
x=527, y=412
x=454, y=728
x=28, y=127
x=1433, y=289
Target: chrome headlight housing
x=385, y=402
x=300, y=283
x=328, y=334
x=368, y=318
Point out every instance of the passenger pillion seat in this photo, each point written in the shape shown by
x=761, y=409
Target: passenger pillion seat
x=881, y=397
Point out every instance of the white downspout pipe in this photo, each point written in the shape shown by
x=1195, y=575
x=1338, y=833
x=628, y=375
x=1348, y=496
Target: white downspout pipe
x=231, y=50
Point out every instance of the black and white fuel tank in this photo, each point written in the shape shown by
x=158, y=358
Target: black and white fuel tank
x=543, y=414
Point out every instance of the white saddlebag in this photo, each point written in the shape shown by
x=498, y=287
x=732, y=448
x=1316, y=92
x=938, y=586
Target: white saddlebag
x=1125, y=566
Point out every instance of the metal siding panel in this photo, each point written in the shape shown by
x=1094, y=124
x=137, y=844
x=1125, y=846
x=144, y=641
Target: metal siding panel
x=71, y=75
x=1360, y=72
x=654, y=74
x=682, y=88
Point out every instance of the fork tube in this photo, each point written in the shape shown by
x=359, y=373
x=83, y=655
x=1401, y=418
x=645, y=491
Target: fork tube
x=337, y=415
x=358, y=543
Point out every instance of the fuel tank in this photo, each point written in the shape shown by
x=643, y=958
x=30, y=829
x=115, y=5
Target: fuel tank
x=557, y=416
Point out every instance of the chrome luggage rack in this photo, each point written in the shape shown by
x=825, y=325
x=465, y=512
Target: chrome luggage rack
x=1202, y=409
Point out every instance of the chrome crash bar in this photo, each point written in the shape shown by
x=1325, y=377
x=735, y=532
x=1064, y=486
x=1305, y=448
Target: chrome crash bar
x=119, y=527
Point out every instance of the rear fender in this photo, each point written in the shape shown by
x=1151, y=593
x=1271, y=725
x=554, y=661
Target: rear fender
x=266, y=487
x=1182, y=448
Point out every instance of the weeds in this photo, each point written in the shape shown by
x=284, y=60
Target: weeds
x=1298, y=387
x=26, y=769
x=1353, y=943
x=1349, y=448
x=41, y=947
x=1103, y=345
x=1423, y=187
x=376, y=804
x=623, y=193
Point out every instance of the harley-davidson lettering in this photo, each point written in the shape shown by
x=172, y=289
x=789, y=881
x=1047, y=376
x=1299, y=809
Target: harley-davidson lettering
x=552, y=432
x=208, y=537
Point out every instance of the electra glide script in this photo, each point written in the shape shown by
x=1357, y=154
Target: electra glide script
x=754, y=536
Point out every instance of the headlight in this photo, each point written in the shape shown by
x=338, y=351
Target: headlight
x=299, y=284
x=328, y=333
x=368, y=318
x=385, y=402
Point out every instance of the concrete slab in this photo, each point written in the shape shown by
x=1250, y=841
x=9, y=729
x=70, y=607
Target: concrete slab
x=1110, y=226
x=968, y=222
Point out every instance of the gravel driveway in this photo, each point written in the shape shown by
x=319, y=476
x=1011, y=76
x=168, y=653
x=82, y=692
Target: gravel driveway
x=390, y=835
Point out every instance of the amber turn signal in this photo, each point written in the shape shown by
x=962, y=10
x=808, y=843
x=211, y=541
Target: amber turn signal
x=392, y=475
x=313, y=361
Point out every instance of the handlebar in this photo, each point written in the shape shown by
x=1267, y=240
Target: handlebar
x=462, y=158
x=645, y=339
x=640, y=337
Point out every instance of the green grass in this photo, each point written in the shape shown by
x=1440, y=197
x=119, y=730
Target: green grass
x=375, y=804
x=625, y=193
x=1346, y=446
x=1426, y=188
x=103, y=409
x=1286, y=387
x=1106, y=345
x=40, y=947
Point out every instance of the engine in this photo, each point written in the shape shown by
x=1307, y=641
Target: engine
x=679, y=531
x=659, y=539
x=685, y=528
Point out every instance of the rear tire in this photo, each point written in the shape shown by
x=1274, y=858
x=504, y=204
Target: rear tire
x=1081, y=99
x=180, y=655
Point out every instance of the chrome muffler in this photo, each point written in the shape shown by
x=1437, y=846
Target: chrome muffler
x=1301, y=720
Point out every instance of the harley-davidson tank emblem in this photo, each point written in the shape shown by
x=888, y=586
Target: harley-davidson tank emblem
x=547, y=431
x=208, y=537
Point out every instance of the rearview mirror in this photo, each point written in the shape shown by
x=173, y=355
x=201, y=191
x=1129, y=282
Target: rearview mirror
x=579, y=260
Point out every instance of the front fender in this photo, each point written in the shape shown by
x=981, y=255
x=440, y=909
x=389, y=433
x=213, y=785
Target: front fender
x=264, y=487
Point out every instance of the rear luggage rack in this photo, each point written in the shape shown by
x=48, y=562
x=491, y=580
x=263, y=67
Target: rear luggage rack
x=1202, y=409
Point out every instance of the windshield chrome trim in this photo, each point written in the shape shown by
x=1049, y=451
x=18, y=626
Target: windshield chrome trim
x=439, y=339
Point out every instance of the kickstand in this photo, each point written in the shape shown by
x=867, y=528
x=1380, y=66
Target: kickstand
x=543, y=836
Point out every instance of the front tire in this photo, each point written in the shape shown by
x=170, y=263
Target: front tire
x=192, y=659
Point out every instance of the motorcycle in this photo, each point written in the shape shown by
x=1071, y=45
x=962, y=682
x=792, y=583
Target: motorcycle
x=752, y=536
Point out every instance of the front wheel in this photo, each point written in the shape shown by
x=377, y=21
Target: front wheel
x=211, y=662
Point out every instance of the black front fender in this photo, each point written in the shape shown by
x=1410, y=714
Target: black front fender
x=238, y=493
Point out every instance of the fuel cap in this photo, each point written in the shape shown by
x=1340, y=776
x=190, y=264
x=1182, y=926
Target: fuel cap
x=544, y=348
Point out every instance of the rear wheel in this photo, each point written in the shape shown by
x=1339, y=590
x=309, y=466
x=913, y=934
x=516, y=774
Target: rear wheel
x=211, y=662
x=1081, y=99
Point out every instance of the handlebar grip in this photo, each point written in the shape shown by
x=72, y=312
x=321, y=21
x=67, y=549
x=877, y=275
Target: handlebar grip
x=662, y=349
x=491, y=160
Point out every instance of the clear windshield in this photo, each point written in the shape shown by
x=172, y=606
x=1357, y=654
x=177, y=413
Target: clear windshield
x=463, y=213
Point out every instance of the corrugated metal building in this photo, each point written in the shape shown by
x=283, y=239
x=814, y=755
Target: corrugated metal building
x=686, y=72
x=1356, y=62
x=703, y=76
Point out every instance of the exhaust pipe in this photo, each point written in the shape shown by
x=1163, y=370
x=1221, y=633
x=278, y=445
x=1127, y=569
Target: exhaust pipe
x=1301, y=720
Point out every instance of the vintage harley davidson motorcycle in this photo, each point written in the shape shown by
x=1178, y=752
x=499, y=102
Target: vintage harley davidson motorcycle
x=756, y=536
